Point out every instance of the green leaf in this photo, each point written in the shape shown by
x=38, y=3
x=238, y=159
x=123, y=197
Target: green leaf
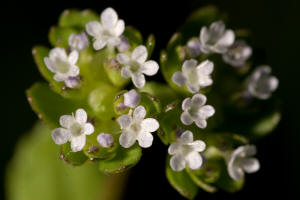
x=77, y=19
x=59, y=36
x=150, y=44
x=72, y=158
x=267, y=124
x=134, y=36
x=49, y=105
x=181, y=182
x=124, y=160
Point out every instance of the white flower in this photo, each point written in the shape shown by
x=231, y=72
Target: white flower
x=62, y=65
x=237, y=54
x=137, y=128
x=216, y=39
x=105, y=139
x=78, y=42
x=261, y=83
x=136, y=66
x=186, y=151
x=107, y=32
x=193, y=75
x=132, y=98
x=75, y=128
x=193, y=47
x=241, y=161
x=194, y=110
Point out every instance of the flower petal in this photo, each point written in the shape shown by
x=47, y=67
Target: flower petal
x=235, y=172
x=60, y=135
x=174, y=147
x=105, y=140
x=150, y=125
x=199, y=99
x=227, y=39
x=149, y=68
x=186, y=118
x=77, y=143
x=73, y=57
x=132, y=98
x=139, y=54
x=206, y=67
x=125, y=72
x=139, y=113
x=66, y=121
x=145, y=139
x=49, y=64
x=99, y=44
x=193, y=88
x=201, y=123
x=123, y=58
x=127, y=139
x=124, y=121
x=187, y=137
x=88, y=128
x=186, y=104
x=178, y=78
x=189, y=65
x=206, y=111
x=93, y=28
x=119, y=28
x=198, y=145
x=109, y=17
x=177, y=162
x=194, y=160
x=138, y=80
x=58, y=53
x=73, y=71
x=60, y=77
x=203, y=36
x=250, y=165
x=81, y=115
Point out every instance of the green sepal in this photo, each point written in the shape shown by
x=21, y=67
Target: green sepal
x=59, y=36
x=181, y=182
x=134, y=36
x=77, y=19
x=113, y=71
x=48, y=105
x=150, y=44
x=151, y=104
x=70, y=157
x=119, y=106
x=124, y=160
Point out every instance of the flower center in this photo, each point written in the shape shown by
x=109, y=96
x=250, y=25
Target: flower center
x=76, y=129
x=62, y=66
x=194, y=111
x=135, y=127
x=134, y=66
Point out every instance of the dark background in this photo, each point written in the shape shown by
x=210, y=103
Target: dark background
x=275, y=26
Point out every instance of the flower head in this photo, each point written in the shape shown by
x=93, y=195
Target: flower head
x=237, y=54
x=75, y=128
x=261, y=83
x=78, y=42
x=241, y=161
x=216, y=39
x=136, y=66
x=186, y=151
x=105, y=139
x=62, y=65
x=195, y=110
x=137, y=128
x=108, y=32
x=132, y=98
x=193, y=75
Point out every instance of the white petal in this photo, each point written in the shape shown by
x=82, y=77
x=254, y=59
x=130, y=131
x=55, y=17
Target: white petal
x=193, y=88
x=199, y=99
x=139, y=113
x=125, y=72
x=174, y=147
x=88, y=128
x=203, y=36
x=94, y=28
x=194, y=160
x=105, y=140
x=138, y=80
x=206, y=111
x=206, y=67
x=189, y=65
x=186, y=104
x=273, y=83
x=227, y=39
x=250, y=165
x=187, y=137
x=113, y=41
x=123, y=58
x=150, y=125
x=66, y=121
x=58, y=52
x=49, y=65
x=127, y=139
x=109, y=17
x=99, y=44
x=119, y=28
x=145, y=139
x=198, y=145
x=124, y=121
x=178, y=78
x=247, y=150
x=177, y=162
x=60, y=135
x=77, y=143
x=201, y=123
x=139, y=54
x=73, y=71
x=205, y=81
x=149, y=68
x=235, y=172
x=80, y=115
x=60, y=77
x=132, y=98
x=186, y=118
x=73, y=57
